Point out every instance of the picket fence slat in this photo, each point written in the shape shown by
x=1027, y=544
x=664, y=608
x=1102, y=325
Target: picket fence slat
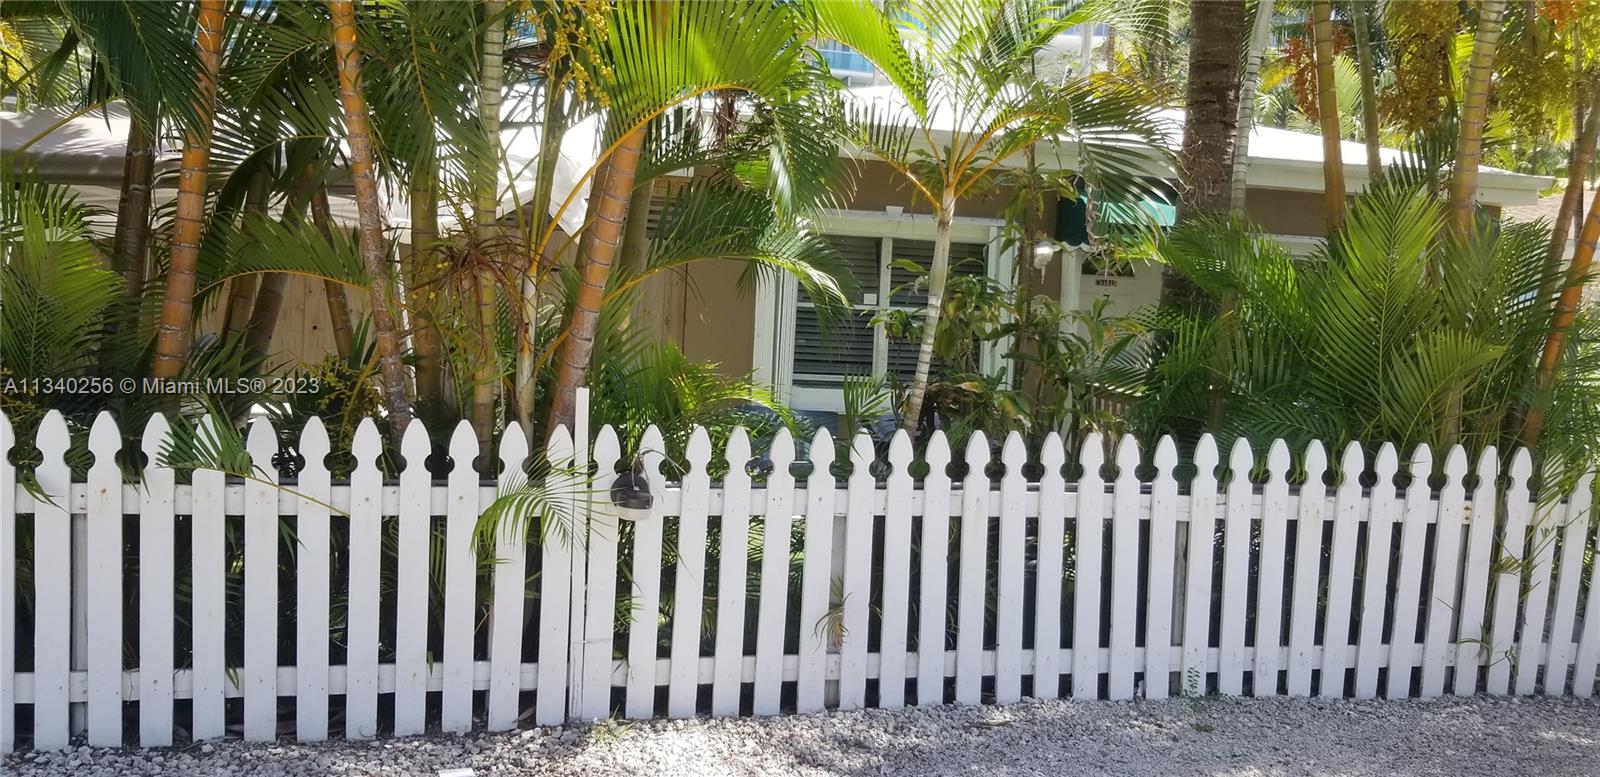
x=1124, y=572
x=1472, y=645
x=208, y=523
x=731, y=574
x=1163, y=538
x=1052, y=536
x=510, y=579
x=104, y=590
x=816, y=579
x=1508, y=581
x=1200, y=550
x=1381, y=519
x=644, y=630
x=1347, y=514
x=413, y=548
x=460, y=583
x=312, y=527
x=1088, y=545
x=1269, y=589
x=261, y=531
x=1237, y=528
x=772, y=607
x=857, y=582
x=896, y=575
x=931, y=612
x=1423, y=592
x=1574, y=539
x=690, y=582
x=1307, y=571
x=1408, y=583
x=972, y=572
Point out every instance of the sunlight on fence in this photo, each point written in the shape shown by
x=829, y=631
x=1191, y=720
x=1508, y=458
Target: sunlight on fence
x=272, y=607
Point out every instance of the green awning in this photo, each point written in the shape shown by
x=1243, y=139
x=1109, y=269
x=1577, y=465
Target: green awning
x=1072, y=216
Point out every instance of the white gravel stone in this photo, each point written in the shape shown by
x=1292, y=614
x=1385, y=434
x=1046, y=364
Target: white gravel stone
x=1474, y=736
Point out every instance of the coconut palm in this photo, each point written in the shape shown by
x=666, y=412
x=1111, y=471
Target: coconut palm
x=1474, y=110
x=970, y=80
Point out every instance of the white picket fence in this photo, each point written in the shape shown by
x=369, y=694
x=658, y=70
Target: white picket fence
x=1230, y=586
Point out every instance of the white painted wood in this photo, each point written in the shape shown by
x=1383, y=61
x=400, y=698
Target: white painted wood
x=1563, y=624
x=1543, y=530
x=690, y=586
x=1384, y=508
x=773, y=606
x=731, y=577
x=1583, y=672
x=1089, y=549
x=1348, y=507
x=644, y=629
x=972, y=582
x=858, y=533
x=1307, y=581
x=600, y=611
x=1237, y=526
x=1420, y=509
x=896, y=574
x=312, y=526
x=1472, y=637
x=931, y=611
x=460, y=583
x=1158, y=663
x=261, y=525
x=557, y=534
x=1508, y=581
x=52, y=580
x=1009, y=599
x=1052, y=541
x=157, y=575
x=510, y=588
x=1124, y=572
x=104, y=589
x=576, y=503
x=8, y=586
x=815, y=634
x=1197, y=573
x=207, y=525
x=415, y=537
x=1269, y=587
x=366, y=540
x=1446, y=568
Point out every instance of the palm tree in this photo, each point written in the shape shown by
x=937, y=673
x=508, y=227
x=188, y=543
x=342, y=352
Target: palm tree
x=1328, y=114
x=1260, y=33
x=1474, y=110
x=485, y=214
x=353, y=98
x=172, y=339
x=970, y=81
x=1561, y=327
x=1211, y=105
x=1361, y=15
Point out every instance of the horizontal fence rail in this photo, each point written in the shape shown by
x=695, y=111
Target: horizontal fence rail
x=160, y=611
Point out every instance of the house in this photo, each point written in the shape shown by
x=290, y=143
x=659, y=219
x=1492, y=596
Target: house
x=771, y=331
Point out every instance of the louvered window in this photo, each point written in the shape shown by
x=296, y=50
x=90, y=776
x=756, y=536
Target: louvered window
x=826, y=350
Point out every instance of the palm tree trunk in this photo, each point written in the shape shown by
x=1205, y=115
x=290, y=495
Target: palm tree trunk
x=353, y=99
x=1566, y=312
x=598, y=249
x=1260, y=32
x=1474, y=109
x=486, y=375
x=938, y=274
x=242, y=289
x=1578, y=160
x=133, y=208
x=1328, y=115
x=177, y=309
x=338, y=303
x=1369, y=89
x=553, y=128
x=424, y=335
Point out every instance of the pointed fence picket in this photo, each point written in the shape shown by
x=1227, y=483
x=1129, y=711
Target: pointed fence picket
x=1487, y=590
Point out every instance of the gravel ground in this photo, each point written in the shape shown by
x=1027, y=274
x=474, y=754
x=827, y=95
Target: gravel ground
x=1476, y=736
